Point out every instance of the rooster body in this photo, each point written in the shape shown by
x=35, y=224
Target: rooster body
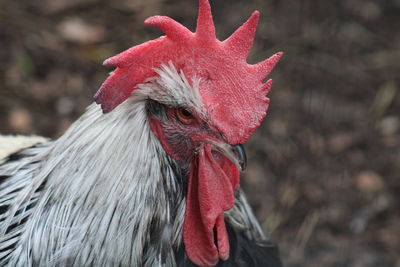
x=119, y=189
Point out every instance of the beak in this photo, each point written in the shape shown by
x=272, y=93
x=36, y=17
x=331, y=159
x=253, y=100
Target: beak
x=240, y=153
x=234, y=153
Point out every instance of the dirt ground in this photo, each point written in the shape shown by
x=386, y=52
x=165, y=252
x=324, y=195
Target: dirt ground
x=324, y=168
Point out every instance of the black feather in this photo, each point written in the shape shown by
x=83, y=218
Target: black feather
x=156, y=109
x=16, y=156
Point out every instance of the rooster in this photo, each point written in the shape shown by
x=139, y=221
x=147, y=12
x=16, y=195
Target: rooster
x=149, y=174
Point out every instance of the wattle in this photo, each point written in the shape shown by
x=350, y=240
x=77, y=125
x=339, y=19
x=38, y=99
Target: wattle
x=212, y=181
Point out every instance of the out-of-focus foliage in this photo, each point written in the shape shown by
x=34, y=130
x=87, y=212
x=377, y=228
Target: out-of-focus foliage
x=324, y=171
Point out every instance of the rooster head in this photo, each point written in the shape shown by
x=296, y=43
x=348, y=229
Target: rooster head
x=203, y=102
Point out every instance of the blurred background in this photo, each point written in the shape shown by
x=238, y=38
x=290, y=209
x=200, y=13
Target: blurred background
x=324, y=170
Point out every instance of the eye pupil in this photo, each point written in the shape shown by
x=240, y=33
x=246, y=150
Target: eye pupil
x=184, y=113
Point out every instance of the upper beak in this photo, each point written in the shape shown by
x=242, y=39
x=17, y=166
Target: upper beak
x=234, y=153
x=240, y=153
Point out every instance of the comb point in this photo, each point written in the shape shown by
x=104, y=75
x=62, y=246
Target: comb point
x=265, y=67
x=242, y=39
x=205, y=24
x=170, y=27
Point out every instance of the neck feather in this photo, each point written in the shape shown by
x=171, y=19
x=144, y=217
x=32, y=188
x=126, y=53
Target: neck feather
x=110, y=191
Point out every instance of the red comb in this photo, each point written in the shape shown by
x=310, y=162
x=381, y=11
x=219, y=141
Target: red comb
x=232, y=90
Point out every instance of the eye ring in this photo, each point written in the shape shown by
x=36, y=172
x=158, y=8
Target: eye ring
x=184, y=114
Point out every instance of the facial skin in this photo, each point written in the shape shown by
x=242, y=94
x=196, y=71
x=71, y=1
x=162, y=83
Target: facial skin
x=179, y=130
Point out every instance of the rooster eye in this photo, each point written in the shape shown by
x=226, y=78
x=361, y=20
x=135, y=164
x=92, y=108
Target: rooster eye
x=184, y=114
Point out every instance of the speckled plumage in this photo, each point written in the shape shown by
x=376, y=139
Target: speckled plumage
x=107, y=194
